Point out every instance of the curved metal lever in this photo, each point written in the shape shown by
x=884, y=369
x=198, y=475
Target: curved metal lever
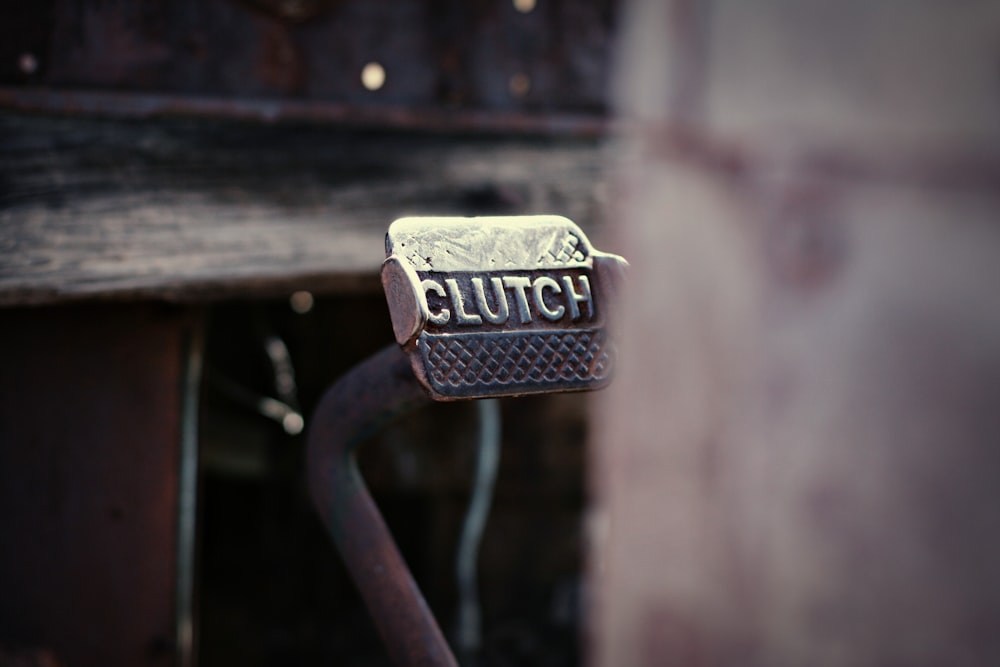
x=541, y=328
x=369, y=396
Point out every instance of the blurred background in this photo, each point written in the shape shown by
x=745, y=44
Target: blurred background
x=795, y=465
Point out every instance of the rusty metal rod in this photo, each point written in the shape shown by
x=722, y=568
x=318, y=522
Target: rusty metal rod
x=368, y=397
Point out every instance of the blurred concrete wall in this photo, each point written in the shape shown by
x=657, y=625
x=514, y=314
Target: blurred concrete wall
x=799, y=461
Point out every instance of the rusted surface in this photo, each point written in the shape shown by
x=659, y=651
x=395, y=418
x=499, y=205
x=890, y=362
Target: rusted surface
x=390, y=383
x=797, y=462
x=436, y=55
x=366, y=398
x=89, y=434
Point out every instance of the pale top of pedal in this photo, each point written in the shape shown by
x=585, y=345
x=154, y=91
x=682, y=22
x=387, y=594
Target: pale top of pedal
x=500, y=306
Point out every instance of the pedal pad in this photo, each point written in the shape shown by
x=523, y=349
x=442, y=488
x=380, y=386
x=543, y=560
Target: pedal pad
x=500, y=306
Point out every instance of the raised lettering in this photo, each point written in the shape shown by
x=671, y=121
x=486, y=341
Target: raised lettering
x=575, y=298
x=442, y=316
x=541, y=282
x=554, y=297
x=519, y=284
x=456, y=299
x=503, y=310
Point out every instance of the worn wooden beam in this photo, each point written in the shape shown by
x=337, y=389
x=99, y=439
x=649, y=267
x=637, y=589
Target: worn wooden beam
x=196, y=209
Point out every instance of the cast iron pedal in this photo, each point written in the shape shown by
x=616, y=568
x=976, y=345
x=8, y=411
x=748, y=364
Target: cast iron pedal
x=500, y=306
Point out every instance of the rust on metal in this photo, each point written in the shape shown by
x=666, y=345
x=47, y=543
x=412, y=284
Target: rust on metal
x=500, y=306
x=372, y=394
x=541, y=329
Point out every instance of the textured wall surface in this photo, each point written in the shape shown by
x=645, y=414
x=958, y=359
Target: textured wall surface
x=797, y=463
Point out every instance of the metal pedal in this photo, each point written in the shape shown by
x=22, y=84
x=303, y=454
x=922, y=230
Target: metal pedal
x=500, y=306
x=481, y=307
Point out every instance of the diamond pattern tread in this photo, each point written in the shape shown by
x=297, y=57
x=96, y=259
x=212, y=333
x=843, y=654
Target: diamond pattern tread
x=506, y=363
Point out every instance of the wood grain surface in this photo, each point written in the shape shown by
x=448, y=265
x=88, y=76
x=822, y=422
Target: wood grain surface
x=187, y=210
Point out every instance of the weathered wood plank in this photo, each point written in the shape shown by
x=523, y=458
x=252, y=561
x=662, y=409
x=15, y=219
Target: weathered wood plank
x=188, y=210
